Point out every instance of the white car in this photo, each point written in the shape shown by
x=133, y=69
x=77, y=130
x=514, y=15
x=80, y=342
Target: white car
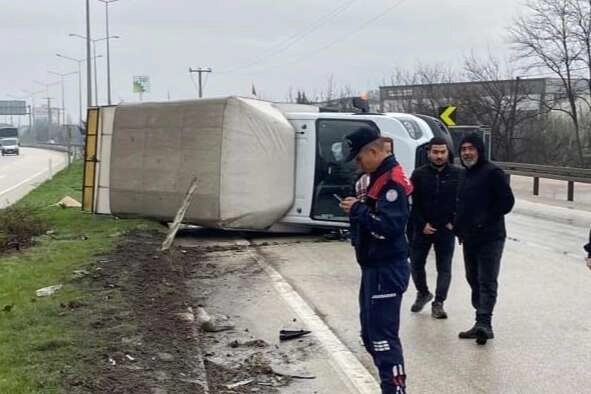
x=10, y=146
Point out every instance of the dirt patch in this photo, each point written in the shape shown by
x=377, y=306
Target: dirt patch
x=141, y=333
x=138, y=344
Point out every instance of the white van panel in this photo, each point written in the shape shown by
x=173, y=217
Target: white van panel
x=103, y=168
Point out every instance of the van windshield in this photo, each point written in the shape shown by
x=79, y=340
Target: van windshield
x=8, y=141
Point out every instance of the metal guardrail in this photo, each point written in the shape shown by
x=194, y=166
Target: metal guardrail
x=56, y=147
x=537, y=171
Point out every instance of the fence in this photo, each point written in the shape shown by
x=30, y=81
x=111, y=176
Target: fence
x=568, y=174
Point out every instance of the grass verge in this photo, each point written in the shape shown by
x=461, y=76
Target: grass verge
x=39, y=340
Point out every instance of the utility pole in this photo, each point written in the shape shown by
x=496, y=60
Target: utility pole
x=200, y=71
x=88, y=58
x=49, y=117
x=107, y=2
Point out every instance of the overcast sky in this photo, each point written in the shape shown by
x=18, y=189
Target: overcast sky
x=277, y=45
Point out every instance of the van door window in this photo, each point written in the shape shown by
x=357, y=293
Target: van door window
x=333, y=175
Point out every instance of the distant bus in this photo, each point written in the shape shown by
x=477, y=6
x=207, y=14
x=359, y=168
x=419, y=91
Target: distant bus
x=8, y=132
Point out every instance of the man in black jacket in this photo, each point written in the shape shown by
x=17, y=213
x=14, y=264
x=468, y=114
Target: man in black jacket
x=433, y=210
x=484, y=198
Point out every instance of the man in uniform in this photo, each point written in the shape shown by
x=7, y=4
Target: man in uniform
x=432, y=215
x=484, y=198
x=378, y=235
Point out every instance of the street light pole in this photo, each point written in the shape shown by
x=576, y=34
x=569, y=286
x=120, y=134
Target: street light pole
x=62, y=75
x=107, y=2
x=88, y=66
x=94, y=57
x=79, y=62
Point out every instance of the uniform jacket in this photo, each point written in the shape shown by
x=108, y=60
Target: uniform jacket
x=378, y=224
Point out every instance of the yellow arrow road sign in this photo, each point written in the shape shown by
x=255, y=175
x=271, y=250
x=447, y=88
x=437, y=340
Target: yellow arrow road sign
x=447, y=116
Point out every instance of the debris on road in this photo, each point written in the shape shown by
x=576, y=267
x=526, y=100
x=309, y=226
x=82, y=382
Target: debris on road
x=285, y=335
x=212, y=323
x=239, y=384
x=48, y=291
x=79, y=274
x=69, y=202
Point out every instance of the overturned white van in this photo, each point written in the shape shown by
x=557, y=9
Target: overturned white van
x=259, y=165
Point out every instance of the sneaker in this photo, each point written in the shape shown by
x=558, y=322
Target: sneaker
x=475, y=331
x=421, y=301
x=437, y=310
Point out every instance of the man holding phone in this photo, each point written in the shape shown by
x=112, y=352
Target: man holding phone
x=378, y=234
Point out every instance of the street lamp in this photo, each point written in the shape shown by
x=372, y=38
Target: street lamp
x=62, y=75
x=79, y=61
x=94, y=57
x=107, y=2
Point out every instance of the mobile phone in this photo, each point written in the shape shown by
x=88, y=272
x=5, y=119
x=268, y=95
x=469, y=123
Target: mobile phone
x=338, y=197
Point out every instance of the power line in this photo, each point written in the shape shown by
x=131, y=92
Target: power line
x=341, y=39
x=293, y=39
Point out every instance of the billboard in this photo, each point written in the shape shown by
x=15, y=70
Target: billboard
x=141, y=84
x=13, y=107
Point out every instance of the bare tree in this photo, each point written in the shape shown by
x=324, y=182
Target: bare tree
x=549, y=38
x=500, y=102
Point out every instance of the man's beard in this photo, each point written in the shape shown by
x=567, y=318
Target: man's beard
x=469, y=162
x=438, y=165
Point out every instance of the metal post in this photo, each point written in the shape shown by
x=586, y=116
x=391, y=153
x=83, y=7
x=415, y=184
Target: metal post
x=536, y=186
x=108, y=54
x=50, y=170
x=200, y=86
x=96, y=103
x=200, y=71
x=69, y=142
x=79, y=92
x=49, y=117
x=571, y=191
x=88, y=65
x=63, y=102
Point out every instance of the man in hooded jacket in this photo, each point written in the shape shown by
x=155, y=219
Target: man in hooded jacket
x=484, y=198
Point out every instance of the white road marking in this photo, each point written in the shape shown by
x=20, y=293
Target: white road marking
x=350, y=369
x=23, y=182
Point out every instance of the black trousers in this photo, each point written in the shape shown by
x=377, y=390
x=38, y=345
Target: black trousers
x=483, y=263
x=443, y=242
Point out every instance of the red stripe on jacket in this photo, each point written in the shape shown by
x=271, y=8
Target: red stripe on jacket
x=397, y=175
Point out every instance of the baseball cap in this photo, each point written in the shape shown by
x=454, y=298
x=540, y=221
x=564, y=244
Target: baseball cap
x=359, y=138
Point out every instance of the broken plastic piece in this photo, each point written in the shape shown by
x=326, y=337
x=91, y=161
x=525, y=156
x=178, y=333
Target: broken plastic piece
x=285, y=335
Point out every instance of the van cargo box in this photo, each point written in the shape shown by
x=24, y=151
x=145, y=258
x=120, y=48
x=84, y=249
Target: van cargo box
x=242, y=152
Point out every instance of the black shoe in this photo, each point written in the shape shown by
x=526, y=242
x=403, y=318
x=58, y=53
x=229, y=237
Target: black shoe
x=437, y=310
x=483, y=334
x=473, y=333
x=421, y=301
